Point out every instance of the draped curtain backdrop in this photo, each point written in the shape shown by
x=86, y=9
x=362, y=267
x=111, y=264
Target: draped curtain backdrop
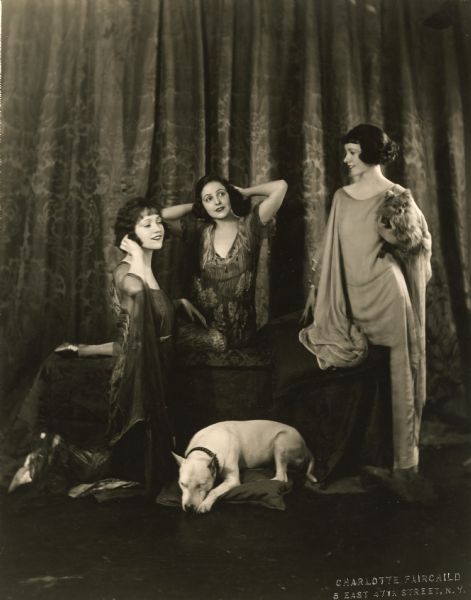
x=106, y=99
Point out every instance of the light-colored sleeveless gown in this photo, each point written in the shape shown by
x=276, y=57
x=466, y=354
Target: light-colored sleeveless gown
x=381, y=297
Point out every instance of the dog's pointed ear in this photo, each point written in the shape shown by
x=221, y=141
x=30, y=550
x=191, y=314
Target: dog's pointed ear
x=179, y=459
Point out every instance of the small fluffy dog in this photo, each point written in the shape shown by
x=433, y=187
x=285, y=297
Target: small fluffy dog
x=399, y=225
x=220, y=450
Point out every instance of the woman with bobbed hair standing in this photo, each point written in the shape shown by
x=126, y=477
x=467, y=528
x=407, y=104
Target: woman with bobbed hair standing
x=369, y=282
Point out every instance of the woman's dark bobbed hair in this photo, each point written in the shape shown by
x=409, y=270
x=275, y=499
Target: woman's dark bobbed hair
x=377, y=148
x=130, y=214
x=240, y=206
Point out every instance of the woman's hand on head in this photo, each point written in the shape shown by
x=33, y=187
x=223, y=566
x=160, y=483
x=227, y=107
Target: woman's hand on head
x=243, y=191
x=130, y=246
x=192, y=312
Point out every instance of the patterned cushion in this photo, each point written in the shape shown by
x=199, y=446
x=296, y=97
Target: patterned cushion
x=252, y=356
x=276, y=348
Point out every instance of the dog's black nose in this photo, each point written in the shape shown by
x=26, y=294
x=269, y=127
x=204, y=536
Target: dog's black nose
x=189, y=508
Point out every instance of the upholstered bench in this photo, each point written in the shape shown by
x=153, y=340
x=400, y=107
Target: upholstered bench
x=343, y=414
x=215, y=386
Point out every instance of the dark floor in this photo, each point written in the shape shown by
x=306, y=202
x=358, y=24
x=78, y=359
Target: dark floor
x=132, y=550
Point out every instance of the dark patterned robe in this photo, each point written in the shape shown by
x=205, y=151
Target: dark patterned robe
x=140, y=430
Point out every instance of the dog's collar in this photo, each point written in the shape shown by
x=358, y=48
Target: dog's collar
x=209, y=453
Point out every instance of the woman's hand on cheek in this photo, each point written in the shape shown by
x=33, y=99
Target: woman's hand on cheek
x=130, y=246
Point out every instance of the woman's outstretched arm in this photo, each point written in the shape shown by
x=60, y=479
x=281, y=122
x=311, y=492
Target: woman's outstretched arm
x=274, y=191
x=106, y=349
x=83, y=350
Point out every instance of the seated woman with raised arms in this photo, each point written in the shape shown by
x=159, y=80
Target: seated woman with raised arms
x=229, y=240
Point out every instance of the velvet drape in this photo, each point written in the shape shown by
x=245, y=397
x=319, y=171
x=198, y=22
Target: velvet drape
x=106, y=99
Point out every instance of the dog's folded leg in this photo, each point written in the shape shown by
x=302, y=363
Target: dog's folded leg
x=215, y=493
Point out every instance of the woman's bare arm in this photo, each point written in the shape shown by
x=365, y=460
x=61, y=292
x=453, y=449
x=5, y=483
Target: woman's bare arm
x=274, y=191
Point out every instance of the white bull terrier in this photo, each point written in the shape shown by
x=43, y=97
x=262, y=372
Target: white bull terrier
x=220, y=450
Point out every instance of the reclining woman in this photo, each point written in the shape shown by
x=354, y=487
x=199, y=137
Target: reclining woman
x=140, y=429
x=229, y=235
x=371, y=277
x=140, y=380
